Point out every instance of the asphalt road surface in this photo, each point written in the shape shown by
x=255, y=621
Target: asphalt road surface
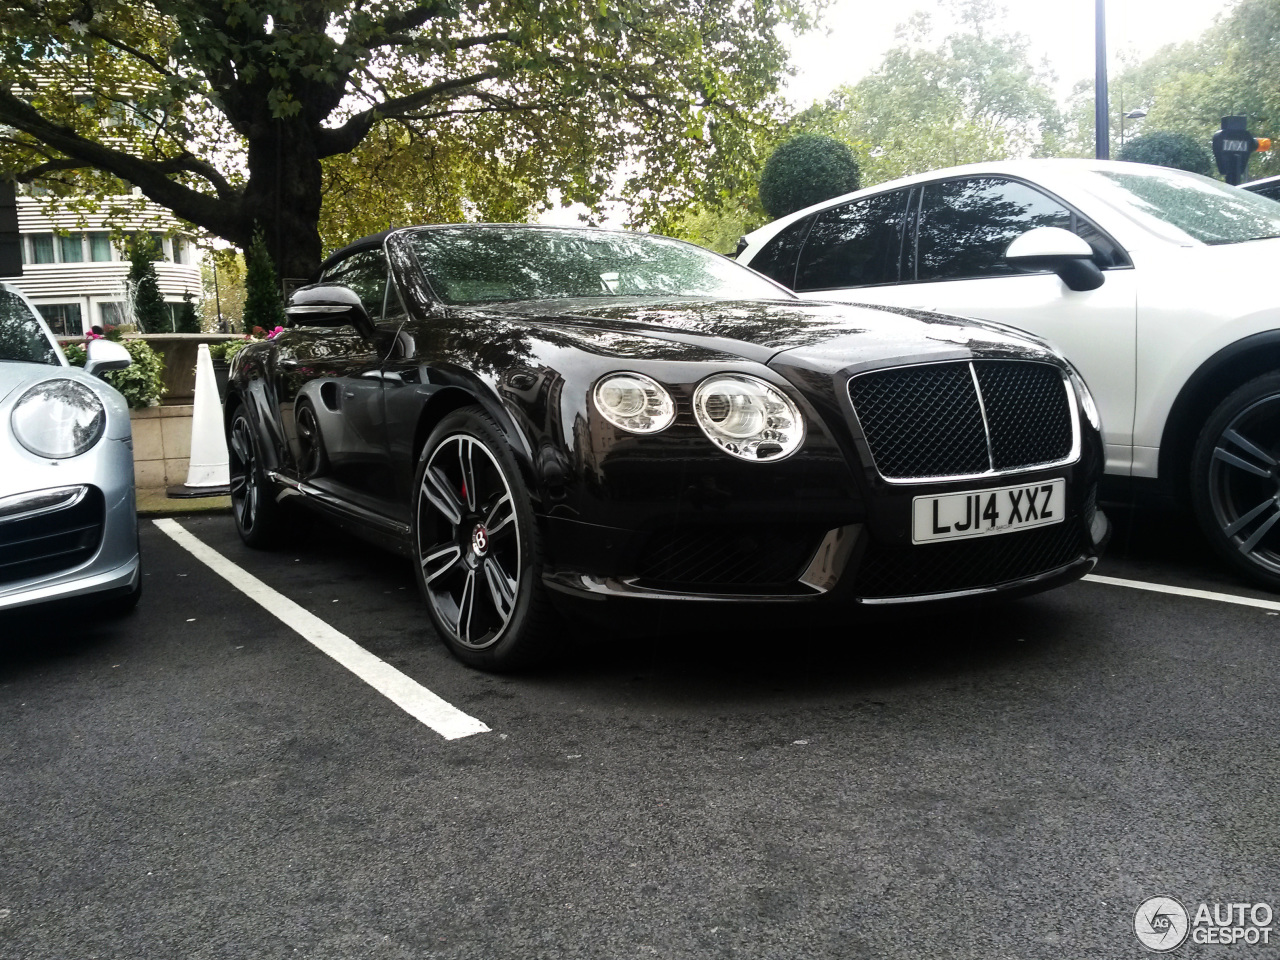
x=201, y=780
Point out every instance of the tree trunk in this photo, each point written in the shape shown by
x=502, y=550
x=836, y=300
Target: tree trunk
x=283, y=196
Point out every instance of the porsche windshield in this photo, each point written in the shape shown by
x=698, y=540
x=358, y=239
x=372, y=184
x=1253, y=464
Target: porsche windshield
x=491, y=264
x=1194, y=206
x=22, y=336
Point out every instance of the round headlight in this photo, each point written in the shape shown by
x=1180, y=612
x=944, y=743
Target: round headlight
x=634, y=403
x=58, y=419
x=747, y=418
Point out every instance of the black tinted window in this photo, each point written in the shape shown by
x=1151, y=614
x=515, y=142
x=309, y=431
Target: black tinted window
x=854, y=244
x=777, y=259
x=21, y=336
x=967, y=225
x=366, y=274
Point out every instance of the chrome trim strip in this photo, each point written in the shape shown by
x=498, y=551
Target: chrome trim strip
x=831, y=557
x=986, y=424
x=1071, y=457
x=24, y=506
x=1089, y=564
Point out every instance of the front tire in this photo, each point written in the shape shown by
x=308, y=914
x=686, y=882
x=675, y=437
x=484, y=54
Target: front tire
x=1235, y=480
x=477, y=546
x=257, y=515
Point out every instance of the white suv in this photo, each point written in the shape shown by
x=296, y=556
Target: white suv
x=1157, y=284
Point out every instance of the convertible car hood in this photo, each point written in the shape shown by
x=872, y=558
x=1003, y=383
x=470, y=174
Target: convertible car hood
x=822, y=337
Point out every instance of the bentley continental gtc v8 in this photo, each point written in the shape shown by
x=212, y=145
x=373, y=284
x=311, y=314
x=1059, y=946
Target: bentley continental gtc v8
x=68, y=521
x=1155, y=283
x=538, y=413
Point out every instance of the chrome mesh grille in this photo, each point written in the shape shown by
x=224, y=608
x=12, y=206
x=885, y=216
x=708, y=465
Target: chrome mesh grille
x=922, y=421
x=928, y=420
x=1027, y=411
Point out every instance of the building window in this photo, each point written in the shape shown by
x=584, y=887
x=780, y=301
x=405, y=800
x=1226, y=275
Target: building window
x=63, y=318
x=112, y=314
x=42, y=248
x=100, y=247
x=71, y=248
x=179, y=250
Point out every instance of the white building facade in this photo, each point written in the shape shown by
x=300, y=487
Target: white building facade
x=74, y=270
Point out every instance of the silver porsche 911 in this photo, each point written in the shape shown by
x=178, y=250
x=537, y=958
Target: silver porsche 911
x=68, y=518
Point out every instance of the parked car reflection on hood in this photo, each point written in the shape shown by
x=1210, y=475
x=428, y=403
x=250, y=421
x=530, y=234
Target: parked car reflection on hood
x=539, y=416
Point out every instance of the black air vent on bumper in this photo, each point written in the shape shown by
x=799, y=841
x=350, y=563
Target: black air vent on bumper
x=51, y=542
x=711, y=558
x=966, y=564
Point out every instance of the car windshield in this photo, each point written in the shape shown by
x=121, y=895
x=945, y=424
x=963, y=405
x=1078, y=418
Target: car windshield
x=491, y=264
x=22, y=335
x=1195, y=206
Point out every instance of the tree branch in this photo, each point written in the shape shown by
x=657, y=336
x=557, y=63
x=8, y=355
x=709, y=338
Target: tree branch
x=219, y=215
x=345, y=138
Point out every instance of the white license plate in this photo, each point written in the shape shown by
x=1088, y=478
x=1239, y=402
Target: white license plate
x=987, y=513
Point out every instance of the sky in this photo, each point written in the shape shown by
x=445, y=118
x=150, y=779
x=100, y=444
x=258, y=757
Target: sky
x=1060, y=30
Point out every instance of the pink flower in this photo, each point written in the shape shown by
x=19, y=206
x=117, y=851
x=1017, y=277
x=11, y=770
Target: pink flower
x=275, y=333
x=93, y=336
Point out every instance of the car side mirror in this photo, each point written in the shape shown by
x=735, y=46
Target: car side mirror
x=102, y=356
x=328, y=305
x=1061, y=251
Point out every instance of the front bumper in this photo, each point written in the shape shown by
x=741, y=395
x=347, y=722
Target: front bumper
x=869, y=563
x=100, y=546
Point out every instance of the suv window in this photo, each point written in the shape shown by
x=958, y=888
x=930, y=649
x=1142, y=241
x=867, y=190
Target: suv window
x=855, y=244
x=365, y=273
x=777, y=259
x=967, y=225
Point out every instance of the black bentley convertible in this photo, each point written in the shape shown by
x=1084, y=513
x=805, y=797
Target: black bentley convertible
x=541, y=413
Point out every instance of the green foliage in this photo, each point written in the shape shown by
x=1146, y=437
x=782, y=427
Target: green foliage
x=263, y=306
x=395, y=110
x=223, y=290
x=1167, y=148
x=149, y=310
x=141, y=383
x=971, y=96
x=227, y=349
x=188, y=319
x=807, y=169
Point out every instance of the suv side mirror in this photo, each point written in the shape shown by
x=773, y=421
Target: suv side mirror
x=328, y=305
x=1061, y=251
x=104, y=355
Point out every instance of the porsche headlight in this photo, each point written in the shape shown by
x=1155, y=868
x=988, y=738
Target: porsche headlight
x=634, y=403
x=747, y=418
x=58, y=419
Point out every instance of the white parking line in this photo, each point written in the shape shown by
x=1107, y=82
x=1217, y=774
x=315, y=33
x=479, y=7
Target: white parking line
x=409, y=695
x=1186, y=592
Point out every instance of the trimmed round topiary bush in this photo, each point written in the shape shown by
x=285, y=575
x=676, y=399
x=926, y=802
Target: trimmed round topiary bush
x=807, y=169
x=1165, y=148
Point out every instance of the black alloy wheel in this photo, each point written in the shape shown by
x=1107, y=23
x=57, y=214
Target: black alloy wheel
x=312, y=460
x=1235, y=480
x=477, y=545
x=256, y=512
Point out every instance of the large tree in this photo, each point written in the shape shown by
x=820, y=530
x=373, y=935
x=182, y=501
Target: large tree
x=971, y=94
x=231, y=112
